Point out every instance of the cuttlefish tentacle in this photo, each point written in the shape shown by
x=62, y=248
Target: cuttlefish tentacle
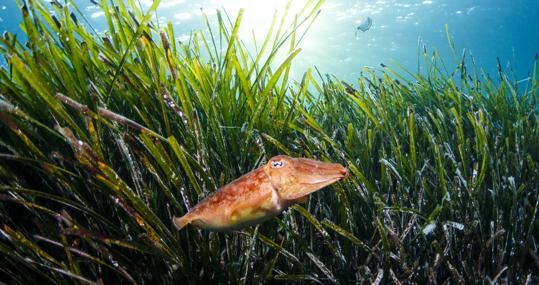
x=262, y=193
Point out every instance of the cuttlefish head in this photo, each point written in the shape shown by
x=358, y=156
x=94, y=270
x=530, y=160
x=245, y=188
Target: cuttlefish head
x=295, y=178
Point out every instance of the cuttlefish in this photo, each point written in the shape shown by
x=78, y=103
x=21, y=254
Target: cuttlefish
x=262, y=193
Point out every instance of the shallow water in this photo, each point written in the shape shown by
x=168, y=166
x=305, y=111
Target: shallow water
x=97, y=156
x=486, y=28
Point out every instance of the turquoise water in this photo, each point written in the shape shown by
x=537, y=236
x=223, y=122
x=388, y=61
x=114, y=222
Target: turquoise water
x=487, y=29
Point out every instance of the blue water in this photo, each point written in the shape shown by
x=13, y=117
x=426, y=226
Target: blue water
x=485, y=28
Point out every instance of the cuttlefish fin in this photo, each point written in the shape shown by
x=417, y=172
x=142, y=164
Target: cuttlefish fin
x=302, y=199
x=182, y=221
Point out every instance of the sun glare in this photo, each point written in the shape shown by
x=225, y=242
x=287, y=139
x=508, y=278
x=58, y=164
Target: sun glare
x=258, y=14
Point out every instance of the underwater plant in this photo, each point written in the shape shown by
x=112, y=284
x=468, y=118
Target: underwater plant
x=104, y=138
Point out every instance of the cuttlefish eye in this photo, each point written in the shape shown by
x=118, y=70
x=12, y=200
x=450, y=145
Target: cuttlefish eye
x=277, y=164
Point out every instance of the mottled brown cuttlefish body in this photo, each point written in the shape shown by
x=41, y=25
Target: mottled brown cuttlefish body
x=262, y=193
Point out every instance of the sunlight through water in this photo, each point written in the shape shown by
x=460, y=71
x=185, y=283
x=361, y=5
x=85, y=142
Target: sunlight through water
x=399, y=31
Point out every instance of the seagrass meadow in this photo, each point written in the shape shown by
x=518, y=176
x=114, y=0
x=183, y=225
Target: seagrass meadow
x=103, y=138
